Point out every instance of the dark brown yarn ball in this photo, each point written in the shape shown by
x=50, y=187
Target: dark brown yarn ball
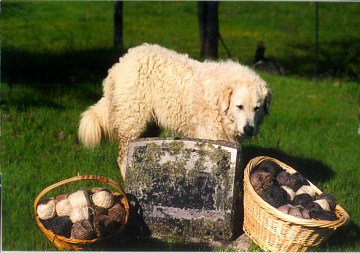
x=329, y=198
x=269, y=166
x=104, y=226
x=82, y=230
x=261, y=181
x=302, y=199
x=275, y=196
x=293, y=181
x=323, y=215
x=61, y=225
x=312, y=206
x=117, y=213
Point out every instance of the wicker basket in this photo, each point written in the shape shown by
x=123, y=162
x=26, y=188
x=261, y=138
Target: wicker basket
x=273, y=230
x=63, y=243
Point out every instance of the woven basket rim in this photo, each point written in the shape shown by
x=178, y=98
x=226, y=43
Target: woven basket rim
x=342, y=215
x=54, y=236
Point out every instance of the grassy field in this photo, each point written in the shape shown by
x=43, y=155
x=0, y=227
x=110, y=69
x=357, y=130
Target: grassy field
x=52, y=66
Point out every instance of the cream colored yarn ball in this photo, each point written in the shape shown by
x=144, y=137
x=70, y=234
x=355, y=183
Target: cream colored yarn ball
x=46, y=209
x=79, y=199
x=79, y=214
x=323, y=203
x=63, y=207
x=104, y=199
x=290, y=192
x=306, y=189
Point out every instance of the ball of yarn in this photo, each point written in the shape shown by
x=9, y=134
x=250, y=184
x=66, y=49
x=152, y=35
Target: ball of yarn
x=97, y=189
x=103, y=225
x=63, y=207
x=269, y=166
x=275, y=196
x=312, y=206
x=79, y=199
x=294, y=181
x=46, y=209
x=261, y=181
x=82, y=230
x=79, y=214
x=302, y=199
x=306, y=189
x=299, y=212
x=290, y=192
x=323, y=215
x=61, y=225
x=329, y=198
x=323, y=203
x=60, y=197
x=103, y=198
x=285, y=208
x=117, y=213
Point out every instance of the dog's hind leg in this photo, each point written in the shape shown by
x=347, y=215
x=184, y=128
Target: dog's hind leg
x=132, y=128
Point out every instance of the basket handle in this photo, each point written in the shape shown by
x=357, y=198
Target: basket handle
x=108, y=181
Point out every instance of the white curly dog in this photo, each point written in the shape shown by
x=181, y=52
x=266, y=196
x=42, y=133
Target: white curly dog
x=209, y=100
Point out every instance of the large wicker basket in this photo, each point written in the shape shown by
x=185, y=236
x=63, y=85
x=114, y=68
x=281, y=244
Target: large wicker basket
x=273, y=230
x=63, y=243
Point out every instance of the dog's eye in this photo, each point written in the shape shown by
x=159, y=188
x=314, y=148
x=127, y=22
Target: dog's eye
x=256, y=108
x=240, y=107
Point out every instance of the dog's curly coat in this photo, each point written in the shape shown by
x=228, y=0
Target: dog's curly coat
x=210, y=100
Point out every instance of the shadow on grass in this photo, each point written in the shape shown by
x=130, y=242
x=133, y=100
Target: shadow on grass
x=314, y=170
x=66, y=68
x=336, y=59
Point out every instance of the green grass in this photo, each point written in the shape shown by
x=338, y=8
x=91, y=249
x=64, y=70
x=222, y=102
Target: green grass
x=52, y=66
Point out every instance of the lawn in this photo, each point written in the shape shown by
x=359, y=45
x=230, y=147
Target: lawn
x=52, y=67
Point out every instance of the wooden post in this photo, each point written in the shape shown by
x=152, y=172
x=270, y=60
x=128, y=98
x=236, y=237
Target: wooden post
x=208, y=19
x=118, y=24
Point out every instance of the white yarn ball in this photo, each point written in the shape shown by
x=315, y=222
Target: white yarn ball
x=324, y=204
x=289, y=191
x=63, y=207
x=46, y=209
x=104, y=199
x=79, y=199
x=79, y=214
x=306, y=189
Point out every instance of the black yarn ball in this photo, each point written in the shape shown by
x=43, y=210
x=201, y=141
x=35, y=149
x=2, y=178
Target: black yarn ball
x=322, y=215
x=312, y=206
x=302, y=199
x=261, y=181
x=275, y=196
x=269, y=166
x=329, y=198
x=293, y=181
x=61, y=225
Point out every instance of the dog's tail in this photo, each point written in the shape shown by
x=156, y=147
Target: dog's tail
x=94, y=124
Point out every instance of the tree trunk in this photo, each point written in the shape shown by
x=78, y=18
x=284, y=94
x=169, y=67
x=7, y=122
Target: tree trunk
x=118, y=24
x=208, y=28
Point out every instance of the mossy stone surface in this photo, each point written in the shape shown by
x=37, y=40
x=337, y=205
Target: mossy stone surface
x=188, y=188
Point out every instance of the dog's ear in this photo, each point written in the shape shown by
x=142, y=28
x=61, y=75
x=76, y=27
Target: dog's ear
x=224, y=99
x=267, y=102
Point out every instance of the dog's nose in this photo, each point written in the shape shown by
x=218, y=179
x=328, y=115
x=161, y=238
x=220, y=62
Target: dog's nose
x=249, y=130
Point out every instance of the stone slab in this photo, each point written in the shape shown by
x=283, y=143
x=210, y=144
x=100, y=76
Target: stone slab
x=187, y=188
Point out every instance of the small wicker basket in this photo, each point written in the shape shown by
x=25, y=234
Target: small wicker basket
x=63, y=243
x=273, y=230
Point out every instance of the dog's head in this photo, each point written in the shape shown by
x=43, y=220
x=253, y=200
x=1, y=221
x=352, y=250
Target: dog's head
x=245, y=106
